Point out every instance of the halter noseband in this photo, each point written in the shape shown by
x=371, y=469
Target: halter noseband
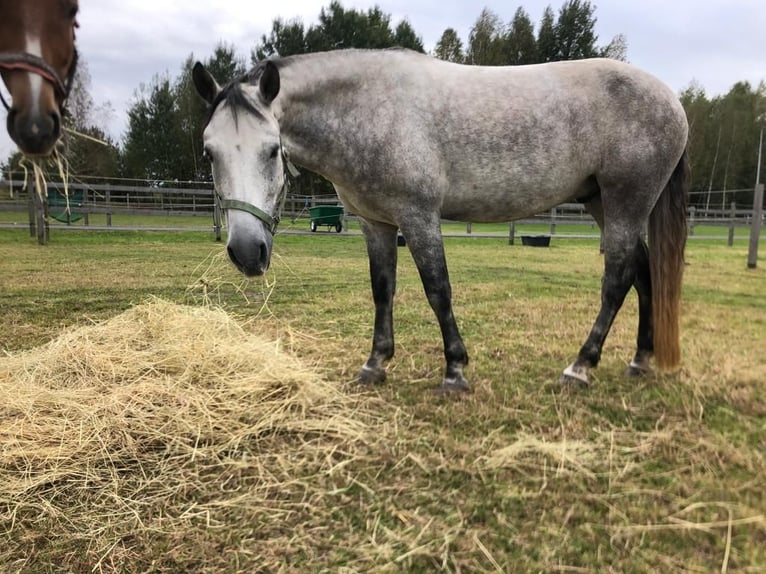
x=24, y=62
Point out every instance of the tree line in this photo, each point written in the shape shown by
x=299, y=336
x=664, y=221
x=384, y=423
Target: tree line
x=164, y=132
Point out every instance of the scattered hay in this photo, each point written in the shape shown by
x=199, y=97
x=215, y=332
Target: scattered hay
x=168, y=420
x=569, y=456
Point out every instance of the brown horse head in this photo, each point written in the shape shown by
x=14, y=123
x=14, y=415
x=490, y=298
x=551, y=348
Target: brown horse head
x=37, y=62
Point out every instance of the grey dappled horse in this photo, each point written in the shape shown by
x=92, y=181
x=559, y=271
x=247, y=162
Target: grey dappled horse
x=408, y=140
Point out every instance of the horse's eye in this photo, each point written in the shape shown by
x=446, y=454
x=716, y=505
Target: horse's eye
x=274, y=152
x=207, y=155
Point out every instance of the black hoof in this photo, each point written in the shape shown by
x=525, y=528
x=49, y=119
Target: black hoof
x=371, y=376
x=636, y=371
x=452, y=389
x=573, y=382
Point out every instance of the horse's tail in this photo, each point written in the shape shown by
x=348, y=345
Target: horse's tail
x=667, y=239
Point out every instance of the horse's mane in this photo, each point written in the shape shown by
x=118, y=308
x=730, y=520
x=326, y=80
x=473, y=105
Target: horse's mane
x=233, y=94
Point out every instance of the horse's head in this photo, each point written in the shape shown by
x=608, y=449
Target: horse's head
x=242, y=141
x=37, y=63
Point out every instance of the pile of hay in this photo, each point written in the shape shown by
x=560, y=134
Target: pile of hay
x=167, y=423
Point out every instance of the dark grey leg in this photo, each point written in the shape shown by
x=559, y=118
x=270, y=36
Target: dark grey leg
x=425, y=242
x=578, y=372
x=619, y=276
x=645, y=341
x=381, y=249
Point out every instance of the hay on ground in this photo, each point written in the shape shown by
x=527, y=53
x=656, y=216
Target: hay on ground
x=167, y=419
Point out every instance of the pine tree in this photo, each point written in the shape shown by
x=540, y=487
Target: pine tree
x=520, y=44
x=450, y=47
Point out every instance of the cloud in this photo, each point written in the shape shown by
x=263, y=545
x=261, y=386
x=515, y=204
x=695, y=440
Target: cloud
x=127, y=43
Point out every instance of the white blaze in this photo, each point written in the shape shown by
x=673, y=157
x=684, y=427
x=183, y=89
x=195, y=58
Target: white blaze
x=34, y=48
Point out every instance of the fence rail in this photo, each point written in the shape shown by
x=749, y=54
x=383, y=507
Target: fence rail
x=122, y=200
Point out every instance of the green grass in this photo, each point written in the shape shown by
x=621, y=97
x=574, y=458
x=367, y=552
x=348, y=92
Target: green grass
x=661, y=474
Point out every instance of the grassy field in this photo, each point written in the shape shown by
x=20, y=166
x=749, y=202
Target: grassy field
x=662, y=474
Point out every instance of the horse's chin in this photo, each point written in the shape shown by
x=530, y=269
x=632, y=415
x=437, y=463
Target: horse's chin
x=252, y=271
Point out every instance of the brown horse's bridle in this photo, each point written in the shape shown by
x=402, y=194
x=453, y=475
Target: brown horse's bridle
x=24, y=62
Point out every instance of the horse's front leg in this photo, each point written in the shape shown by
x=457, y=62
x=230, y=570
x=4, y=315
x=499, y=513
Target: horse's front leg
x=424, y=239
x=381, y=249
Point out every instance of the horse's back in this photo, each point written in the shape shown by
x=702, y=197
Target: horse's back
x=484, y=143
x=515, y=140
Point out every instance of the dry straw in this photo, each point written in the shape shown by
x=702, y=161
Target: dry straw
x=163, y=420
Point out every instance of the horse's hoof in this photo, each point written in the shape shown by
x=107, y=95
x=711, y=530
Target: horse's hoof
x=637, y=370
x=574, y=376
x=452, y=388
x=368, y=376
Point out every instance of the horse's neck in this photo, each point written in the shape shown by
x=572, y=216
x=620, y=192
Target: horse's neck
x=319, y=96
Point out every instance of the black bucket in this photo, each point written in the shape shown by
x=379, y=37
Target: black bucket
x=536, y=240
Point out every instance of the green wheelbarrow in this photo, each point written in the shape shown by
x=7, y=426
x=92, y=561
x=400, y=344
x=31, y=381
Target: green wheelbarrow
x=329, y=215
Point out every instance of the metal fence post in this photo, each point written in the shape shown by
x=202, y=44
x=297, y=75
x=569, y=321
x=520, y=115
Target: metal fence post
x=732, y=221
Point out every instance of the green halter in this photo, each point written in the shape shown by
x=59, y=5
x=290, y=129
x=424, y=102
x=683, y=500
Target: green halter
x=271, y=221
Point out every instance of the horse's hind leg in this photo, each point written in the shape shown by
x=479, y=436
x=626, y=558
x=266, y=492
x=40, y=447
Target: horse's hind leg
x=427, y=247
x=645, y=339
x=626, y=264
x=381, y=249
x=642, y=283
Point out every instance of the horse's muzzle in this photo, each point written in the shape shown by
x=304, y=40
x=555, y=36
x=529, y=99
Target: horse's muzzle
x=35, y=134
x=251, y=257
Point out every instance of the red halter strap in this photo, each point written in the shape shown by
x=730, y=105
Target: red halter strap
x=23, y=62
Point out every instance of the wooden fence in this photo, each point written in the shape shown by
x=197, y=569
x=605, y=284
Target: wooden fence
x=118, y=200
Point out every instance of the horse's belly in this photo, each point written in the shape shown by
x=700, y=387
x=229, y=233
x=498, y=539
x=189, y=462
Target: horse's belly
x=487, y=206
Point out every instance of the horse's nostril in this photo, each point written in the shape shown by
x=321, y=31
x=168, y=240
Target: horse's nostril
x=232, y=256
x=56, y=119
x=264, y=253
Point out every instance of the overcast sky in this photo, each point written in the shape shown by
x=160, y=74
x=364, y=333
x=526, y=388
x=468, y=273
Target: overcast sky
x=127, y=42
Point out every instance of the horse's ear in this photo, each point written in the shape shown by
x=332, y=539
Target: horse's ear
x=268, y=83
x=205, y=83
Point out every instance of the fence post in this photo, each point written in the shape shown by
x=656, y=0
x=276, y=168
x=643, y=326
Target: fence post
x=692, y=211
x=755, y=228
x=732, y=219
x=216, y=218
x=468, y=228
x=32, y=214
x=85, y=207
x=108, y=197
x=41, y=215
x=512, y=233
x=553, y=221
